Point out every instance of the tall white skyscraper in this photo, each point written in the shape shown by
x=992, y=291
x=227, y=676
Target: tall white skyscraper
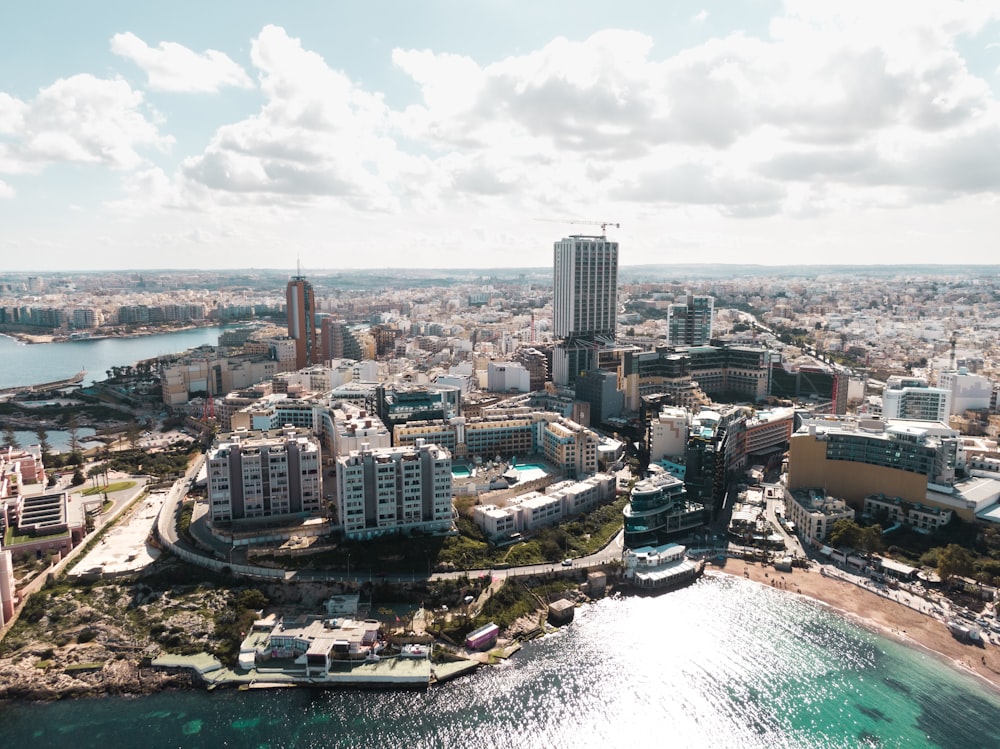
x=585, y=298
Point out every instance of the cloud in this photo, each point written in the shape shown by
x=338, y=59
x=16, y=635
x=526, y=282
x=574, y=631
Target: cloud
x=317, y=135
x=700, y=17
x=81, y=119
x=173, y=67
x=12, y=113
x=826, y=112
x=733, y=194
x=6, y=191
x=840, y=163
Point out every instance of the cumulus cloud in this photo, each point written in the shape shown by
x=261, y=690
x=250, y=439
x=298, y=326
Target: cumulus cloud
x=318, y=134
x=827, y=110
x=174, y=67
x=81, y=119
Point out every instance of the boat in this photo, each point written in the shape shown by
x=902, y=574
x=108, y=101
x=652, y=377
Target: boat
x=660, y=568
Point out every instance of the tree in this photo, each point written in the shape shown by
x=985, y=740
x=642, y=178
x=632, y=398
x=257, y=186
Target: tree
x=845, y=533
x=954, y=560
x=132, y=432
x=74, y=432
x=77, y=477
x=43, y=441
x=870, y=539
x=10, y=438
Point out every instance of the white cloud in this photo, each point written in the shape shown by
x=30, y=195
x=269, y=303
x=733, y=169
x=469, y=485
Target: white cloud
x=174, y=67
x=6, y=191
x=700, y=17
x=317, y=136
x=838, y=111
x=80, y=119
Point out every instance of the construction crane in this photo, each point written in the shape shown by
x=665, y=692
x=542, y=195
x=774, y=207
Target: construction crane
x=603, y=224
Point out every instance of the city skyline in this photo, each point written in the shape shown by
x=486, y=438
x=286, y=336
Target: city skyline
x=445, y=135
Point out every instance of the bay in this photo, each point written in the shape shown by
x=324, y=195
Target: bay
x=34, y=363
x=724, y=663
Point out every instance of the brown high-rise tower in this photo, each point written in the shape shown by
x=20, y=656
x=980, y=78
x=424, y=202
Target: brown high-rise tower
x=301, y=305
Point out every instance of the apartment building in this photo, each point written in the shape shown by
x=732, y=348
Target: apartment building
x=814, y=512
x=264, y=474
x=394, y=490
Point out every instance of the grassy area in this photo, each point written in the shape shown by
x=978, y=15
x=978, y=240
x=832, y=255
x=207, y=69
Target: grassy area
x=86, y=666
x=114, y=486
x=13, y=538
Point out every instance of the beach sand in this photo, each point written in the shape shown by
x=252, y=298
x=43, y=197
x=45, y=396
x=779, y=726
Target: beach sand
x=869, y=609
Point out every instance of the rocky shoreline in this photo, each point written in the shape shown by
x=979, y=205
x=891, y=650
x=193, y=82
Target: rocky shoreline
x=22, y=681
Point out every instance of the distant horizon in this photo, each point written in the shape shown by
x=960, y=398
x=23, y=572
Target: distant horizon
x=440, y=134
x=307, y=273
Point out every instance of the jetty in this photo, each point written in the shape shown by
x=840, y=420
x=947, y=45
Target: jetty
x=46, y=387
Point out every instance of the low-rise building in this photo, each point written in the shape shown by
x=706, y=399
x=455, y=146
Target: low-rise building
x=814, y=513
x=535, y=509
x=912, y=514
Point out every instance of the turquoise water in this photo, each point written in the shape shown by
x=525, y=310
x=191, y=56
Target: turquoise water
x=460, y=471
x=723, y=663
x=30, y=364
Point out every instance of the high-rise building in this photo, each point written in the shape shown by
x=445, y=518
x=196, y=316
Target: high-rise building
x=337, y=341
x=394, y=490
x=301, y=306
x=585, y=287
x=689, y=322
x=257, y=475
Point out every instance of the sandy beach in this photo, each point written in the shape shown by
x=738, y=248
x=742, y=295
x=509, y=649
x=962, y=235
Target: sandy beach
x=876, y=612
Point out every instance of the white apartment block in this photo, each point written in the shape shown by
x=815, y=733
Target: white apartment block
x=506, y=377
x=916, y=403
x=911, y=514
x=392, y=490
x=533, y=510
x=668, y=433
x=354, y=428
x=968, y=391
x=264, y=474
x=813, y=513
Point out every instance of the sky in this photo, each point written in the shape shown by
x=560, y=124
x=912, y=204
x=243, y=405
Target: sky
x=461, y=134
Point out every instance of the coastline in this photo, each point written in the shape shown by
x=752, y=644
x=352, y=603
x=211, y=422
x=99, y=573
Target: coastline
x=878, y=614
x=34, y=338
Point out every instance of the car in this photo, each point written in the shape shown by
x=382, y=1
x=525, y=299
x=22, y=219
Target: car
x=567, y=562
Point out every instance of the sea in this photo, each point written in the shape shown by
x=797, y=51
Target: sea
x=724, y=663
x=36, y=363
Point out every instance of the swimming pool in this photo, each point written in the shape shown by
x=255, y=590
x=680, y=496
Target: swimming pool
x=530, y=471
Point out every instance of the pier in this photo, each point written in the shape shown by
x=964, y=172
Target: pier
x=45, y=387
